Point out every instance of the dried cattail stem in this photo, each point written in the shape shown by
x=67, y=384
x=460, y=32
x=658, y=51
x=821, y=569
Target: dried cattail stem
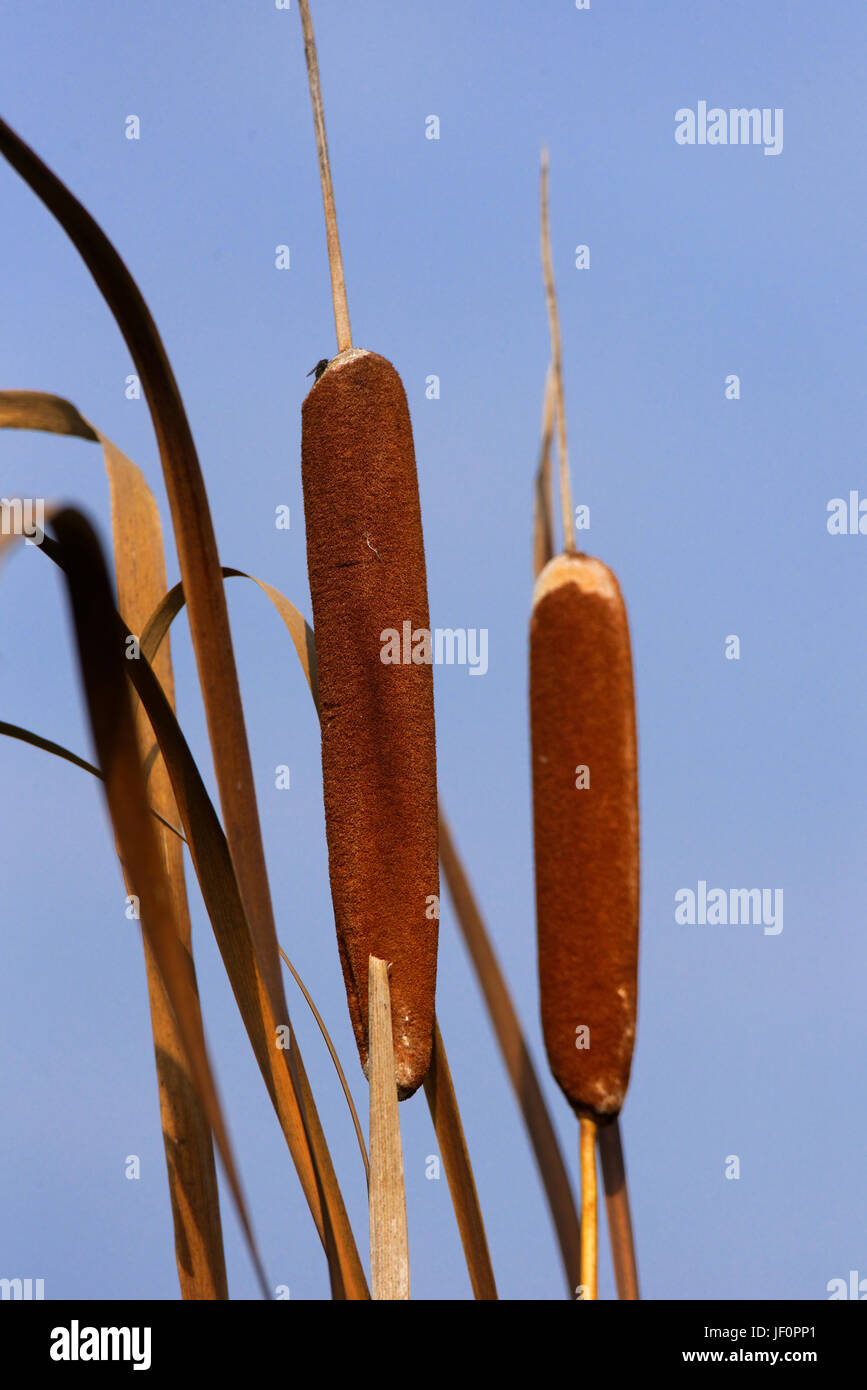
x=556, y=362
x=389, y=1238
x=619, y=1217
x=543, y=516
x=335, y=259
x=365, y=557
x=589, y=1209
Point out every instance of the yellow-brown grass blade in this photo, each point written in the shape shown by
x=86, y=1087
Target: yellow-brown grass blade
x=141, y=580
x=543, y=511
x=300, y=631
x=446, y=1116
x=40, y=410
x=619, y=1217
x=332, y=1052
x=516, y=1057
x=140, y=572
x=47, y=745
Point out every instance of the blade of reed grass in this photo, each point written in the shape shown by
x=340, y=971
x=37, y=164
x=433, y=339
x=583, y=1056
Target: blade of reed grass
x=218, y=883
x=300, y=631
x=103, y=666
x=446, y=1116
x=40, y=410
x=211, y=636
x=335, y=1059
x=140, y=568
x=556, y=361
x=46, y=745
x=516, y=1057
x=389, y=1239
x=140, y=574
x=543, y=521
x=617, y=1208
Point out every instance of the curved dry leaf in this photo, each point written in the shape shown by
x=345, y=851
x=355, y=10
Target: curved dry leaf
x=332, y=1050
x=39, y=410
x=446, y=1117
x=516, y=1057
x=543, y=510
x=299, y=630
x=47, y=745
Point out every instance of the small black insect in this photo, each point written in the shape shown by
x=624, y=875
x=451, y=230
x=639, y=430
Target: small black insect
x=320, y=367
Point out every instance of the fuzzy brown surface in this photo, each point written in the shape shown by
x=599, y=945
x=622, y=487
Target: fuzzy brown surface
x=365, y=558
x=586, y=841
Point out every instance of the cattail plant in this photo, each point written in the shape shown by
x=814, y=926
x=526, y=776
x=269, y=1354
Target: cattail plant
x=585, y=819
x=365, y=558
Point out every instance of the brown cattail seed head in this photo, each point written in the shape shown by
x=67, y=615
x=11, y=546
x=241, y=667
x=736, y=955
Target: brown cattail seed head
x=365, y=557
x=582, y=715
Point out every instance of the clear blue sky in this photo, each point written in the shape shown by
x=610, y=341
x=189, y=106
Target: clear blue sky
x=705, y=261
